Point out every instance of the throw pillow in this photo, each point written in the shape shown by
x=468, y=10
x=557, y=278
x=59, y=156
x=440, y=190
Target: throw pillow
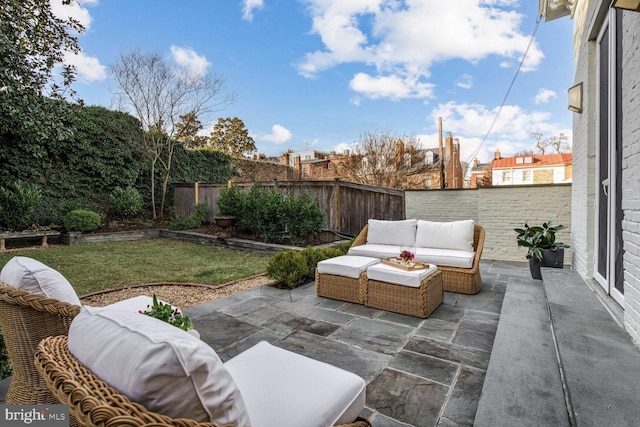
x=31, y=275
x=445, y=235
x=157, y=365
x=398, y=233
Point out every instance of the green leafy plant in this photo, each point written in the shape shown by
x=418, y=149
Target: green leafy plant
x=198, y=217
x=18, y=202
x=125, y=202
x=168, y=314
x=303, y=217
x=82, y=220
x=538, y=238
x=232, y=201
x=289, y=268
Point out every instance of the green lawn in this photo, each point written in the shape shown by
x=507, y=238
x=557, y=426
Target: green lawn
x=96, y=266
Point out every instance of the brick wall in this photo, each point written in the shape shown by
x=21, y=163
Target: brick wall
x=499, y=210
x=631, y=173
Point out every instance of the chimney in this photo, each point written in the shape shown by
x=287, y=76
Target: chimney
x=496, y=155
x=476, y=162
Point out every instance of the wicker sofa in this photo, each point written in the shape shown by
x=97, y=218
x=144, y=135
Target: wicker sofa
x=448, y=245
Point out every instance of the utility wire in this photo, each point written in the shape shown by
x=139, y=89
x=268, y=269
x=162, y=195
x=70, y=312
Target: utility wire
x=504, y=101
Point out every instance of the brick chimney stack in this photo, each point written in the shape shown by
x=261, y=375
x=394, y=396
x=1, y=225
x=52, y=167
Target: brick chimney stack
x=496, y=154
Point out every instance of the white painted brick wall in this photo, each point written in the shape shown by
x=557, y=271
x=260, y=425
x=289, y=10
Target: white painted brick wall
x=499, y=210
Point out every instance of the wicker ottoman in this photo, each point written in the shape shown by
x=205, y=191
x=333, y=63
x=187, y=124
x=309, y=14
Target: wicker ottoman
x=344, y=277
x=416, y=292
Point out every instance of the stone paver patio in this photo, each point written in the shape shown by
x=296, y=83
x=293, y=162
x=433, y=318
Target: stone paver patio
x=419, y=372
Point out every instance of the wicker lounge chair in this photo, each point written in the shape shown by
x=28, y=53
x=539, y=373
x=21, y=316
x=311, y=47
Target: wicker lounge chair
x=454, y=279
x=26, y=318
x=92, y=401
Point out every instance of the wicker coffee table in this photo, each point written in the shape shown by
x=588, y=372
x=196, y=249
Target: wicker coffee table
x=344, y=278
x=414, y=292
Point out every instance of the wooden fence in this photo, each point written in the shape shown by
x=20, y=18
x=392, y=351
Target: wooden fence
x=347, y=205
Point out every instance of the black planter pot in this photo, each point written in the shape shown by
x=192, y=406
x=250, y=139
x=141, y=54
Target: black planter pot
x=550, y=258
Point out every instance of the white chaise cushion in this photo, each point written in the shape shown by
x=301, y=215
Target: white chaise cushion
x=346, y=266
x=399, y=233
x=445, y=235
x=157, y=365
x=445, y=257
x=389, y=274
x=31, y=275
x=375, y=250
x=285, y=389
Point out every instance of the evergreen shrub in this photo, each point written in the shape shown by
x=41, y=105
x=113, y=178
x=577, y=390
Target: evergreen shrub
x=82, y=220
x=125, y=202
x=18, y=202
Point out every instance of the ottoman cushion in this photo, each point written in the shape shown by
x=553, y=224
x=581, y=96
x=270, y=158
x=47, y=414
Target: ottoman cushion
x=398, y=276
x=346, y=265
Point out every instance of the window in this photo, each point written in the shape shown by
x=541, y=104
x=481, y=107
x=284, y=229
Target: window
x=527, y=177
x=506, y=177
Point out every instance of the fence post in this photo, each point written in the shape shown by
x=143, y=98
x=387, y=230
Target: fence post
x=338, y=214
x=196, y=187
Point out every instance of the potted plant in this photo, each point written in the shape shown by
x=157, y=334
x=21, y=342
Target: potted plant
x=543, y=250
x=172, y=316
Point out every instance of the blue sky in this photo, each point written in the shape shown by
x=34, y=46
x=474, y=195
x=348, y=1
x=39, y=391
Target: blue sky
x=319, y=73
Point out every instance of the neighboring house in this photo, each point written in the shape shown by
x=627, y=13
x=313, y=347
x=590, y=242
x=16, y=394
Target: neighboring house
x=605, y=211
x=531, y=169
x=481, y=174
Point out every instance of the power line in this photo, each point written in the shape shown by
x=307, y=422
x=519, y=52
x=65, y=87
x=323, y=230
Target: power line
x=495, y=119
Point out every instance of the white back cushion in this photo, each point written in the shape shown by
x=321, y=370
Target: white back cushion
x=31, y=275
x=445, y=235
x=399, y=233
x=157, y=365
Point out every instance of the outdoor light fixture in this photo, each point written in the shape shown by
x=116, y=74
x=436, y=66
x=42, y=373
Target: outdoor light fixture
x=554, y=9
x=627, y=4
x=575, y=98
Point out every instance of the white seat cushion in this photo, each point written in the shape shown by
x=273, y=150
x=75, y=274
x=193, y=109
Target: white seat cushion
x=389, y=274
x=285, y=389
x=445, y=257
x=346, y=266
x=31, y=275
x=157, y=365
x=375, y=251
x=399, y=233
x=445, y=235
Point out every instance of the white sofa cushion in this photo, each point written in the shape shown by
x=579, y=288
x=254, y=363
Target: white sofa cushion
x=445, y=257
x=375, y=250
x=157, y=365
x=389, y=274
x=31, y=275
x=445, y=235
x=346, y=266
x=285, y=389
x=399, y=233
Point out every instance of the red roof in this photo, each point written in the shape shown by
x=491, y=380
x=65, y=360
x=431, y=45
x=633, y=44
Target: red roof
x=533, y=160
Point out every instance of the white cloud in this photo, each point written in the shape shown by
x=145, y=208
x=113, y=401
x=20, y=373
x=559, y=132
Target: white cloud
x=465, y=81
x=279, y=135
x=88, y=67
x=543, y=96
x=402, y=40
x=248, y=8
x=195, y=64
x=74, y=10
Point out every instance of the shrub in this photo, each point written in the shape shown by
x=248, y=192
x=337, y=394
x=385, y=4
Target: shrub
x=232, y=201
x=303, y=217
x=18, y=202
x=125, y=202
x=198, y=217
x=5, y=363
x=82, y=220
x=289, y=268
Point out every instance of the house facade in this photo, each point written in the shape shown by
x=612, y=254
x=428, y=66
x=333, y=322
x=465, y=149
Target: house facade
x=606, y=153
x=531, y=169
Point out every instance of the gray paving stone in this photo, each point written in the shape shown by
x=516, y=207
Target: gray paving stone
x=476, y=334
x=427, y=367
x=448, y=351
x=247, y=306
x=332, y=304
x=401, y=319
x=362, y=362
x=325, y=315
x=220, y=330
x=381, y=420
x=260, y=316
x=448, y=313
x=361, y=310
x=289, y=323
x=482, y=317
x=485, y=300
x=406, y=398
x=464, y=397
x=437, y=329
x=375, y=335
x=240, y=346
x=523, y=299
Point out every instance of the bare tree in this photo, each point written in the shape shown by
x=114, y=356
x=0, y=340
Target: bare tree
x=381, y=159
x=560, y=143
x=159, y=95
x=541, y=144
